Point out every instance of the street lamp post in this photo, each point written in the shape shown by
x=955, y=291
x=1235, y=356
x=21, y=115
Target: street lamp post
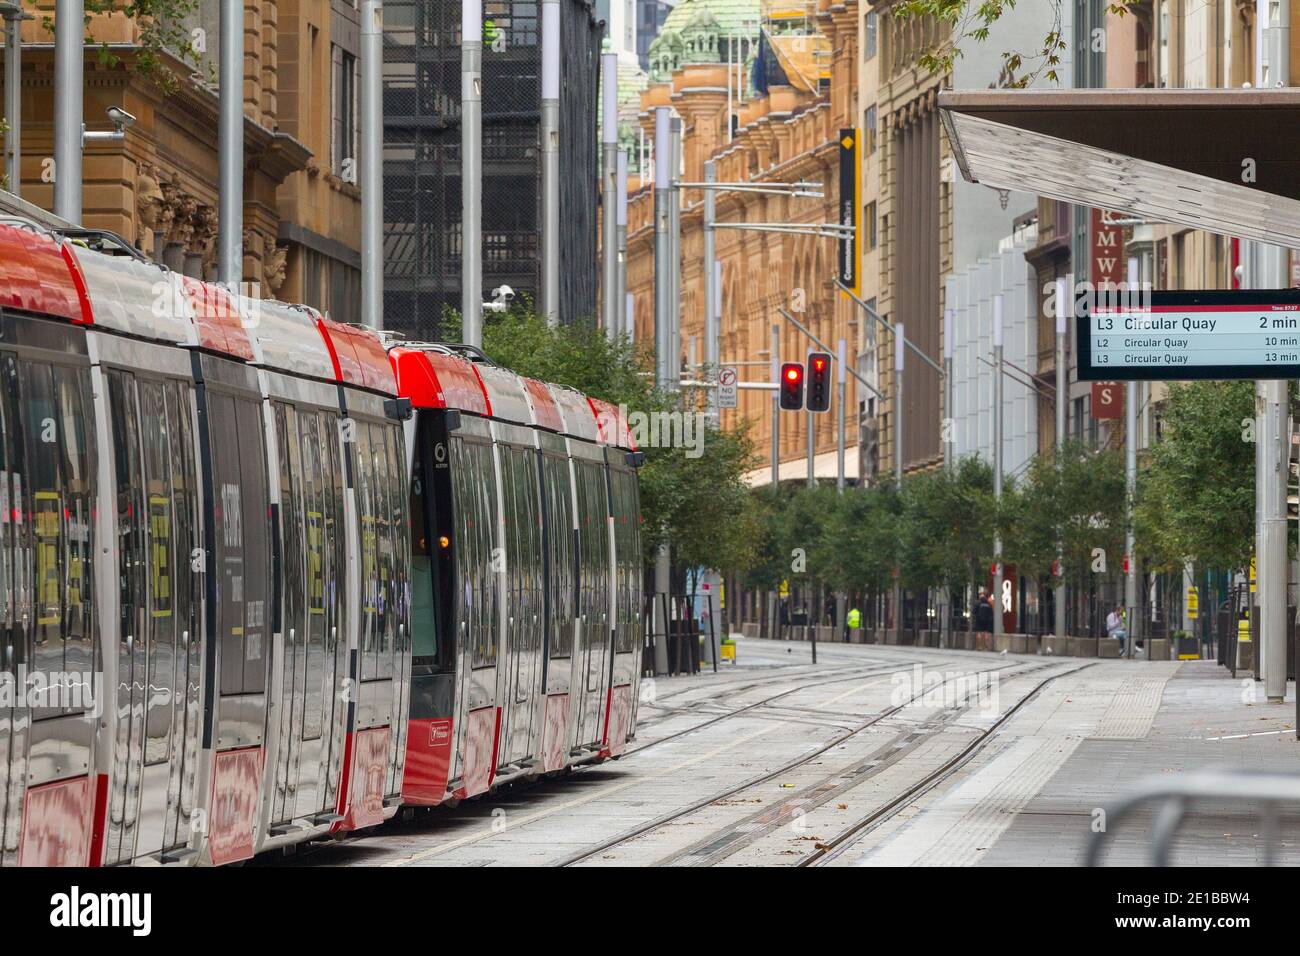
x=899, y=339
x=623, y=319
x=711, y=323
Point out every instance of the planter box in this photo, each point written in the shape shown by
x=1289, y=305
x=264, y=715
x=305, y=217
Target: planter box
x=890, y=636
x=1001, y=642
x=1082, y=646
x=1157, y=649
x=1032, y=643
x=1055, y=646
x=749, y=630
x=1107, y=648
x=1019, y=643
x=932, y=639
x=826, y=634
x=983, y=641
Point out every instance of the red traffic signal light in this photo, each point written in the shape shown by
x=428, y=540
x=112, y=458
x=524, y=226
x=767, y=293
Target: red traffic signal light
x=792, y=386
x=819, y=381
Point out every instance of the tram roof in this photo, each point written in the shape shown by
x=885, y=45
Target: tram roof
x=1226, y=161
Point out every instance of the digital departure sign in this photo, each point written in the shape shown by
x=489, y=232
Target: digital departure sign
x=1184, y=335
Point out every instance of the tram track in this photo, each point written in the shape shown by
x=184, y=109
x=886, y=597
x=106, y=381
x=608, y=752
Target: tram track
x=829, y=849
x=804, y=683
x=732, y=791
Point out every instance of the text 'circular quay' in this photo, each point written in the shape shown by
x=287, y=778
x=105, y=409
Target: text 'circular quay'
x=648, y=433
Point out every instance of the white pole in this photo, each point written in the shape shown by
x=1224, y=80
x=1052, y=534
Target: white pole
x=950, y=420
x=623, y=321
x=69, y=67
x=1063, y=307
x=899, y=348
x=550, y=132
x=609, y=191
x=372, y=164
x=663, y=249
x=1132, y=612
x=711, y=354
x=13, y=17
x=471, y=162
x=998, y=605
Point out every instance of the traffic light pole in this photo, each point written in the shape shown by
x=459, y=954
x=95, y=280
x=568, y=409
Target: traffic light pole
x=775, y=601
x=663, y=365
x=899, y=339
x=550, y=134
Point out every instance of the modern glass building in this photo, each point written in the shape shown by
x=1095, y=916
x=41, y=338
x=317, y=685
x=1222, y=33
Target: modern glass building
x=422, y=177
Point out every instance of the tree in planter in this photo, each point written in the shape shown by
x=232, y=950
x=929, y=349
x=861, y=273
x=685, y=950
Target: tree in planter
x=863, y=538
x=1076, y=498
x=946, y=526
x=1196, y=496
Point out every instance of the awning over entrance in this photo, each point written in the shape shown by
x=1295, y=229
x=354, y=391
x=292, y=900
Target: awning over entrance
x=1226, y=161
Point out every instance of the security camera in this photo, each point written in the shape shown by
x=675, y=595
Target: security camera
x=503, y=293
x=120, y=118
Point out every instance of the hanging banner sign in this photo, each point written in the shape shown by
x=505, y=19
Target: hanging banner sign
x=1171, y=336
x=850, y=205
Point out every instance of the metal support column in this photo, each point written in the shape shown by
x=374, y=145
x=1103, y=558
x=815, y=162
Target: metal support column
x=230, y=148
x=550, y=134
x=949, y=422
x=899, y=340
x=623, y=323
x=711, y=317
x=69, y=68
x=471, y=171
x=675, y=242
x=1063, y=308
x=1131, y=610
x=372, y=164
x=609, y=193
x=998, y=606
x=663, y=248
x=13, y=17
x=776, y=407
x=841, y=396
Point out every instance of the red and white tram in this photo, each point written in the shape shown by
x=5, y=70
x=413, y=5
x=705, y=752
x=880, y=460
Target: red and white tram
x=526, y=571
x=230, y=583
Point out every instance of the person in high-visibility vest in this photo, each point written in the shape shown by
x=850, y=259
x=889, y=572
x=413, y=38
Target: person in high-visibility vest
x=854, y=621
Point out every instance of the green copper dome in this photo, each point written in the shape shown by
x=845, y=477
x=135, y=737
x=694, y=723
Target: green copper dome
x=731, y=16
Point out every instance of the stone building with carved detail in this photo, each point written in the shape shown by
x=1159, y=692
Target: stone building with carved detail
x=158, y=187
x=784, y=115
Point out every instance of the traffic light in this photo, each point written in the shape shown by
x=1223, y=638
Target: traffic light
x=819, y=381
x=792, y=386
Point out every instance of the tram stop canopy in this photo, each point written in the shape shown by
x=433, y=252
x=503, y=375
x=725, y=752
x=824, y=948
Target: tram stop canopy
x=1226, y=161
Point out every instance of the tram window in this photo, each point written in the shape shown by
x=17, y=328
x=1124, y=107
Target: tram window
x=386, y=614
x=257, y=544
x=291, y=537
x=335, y=545
x=185, y=511
x=44, y=509
x=400, y=535
x=476, y=559
x=229, y=536
x=423, y=627
x=364, y=478
x=72, y=388
x=559, y=533
x=315, y=567
x=160, y=625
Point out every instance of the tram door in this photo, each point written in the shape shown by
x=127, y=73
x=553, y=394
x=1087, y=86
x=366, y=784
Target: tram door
x=159, y=711
x=593, y=594
x=311, y=721
x=523, y=576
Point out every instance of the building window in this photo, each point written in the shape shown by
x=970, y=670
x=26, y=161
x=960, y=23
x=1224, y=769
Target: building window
x=869, y=127
x=869, y=43
x=872, y=235
x=343, y=114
